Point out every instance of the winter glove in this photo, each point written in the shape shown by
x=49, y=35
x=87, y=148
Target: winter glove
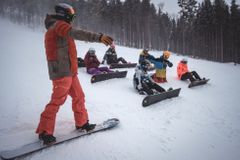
x=106, y=39
x=169, y=64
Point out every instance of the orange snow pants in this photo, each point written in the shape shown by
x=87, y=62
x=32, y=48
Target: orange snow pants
x=61, y=89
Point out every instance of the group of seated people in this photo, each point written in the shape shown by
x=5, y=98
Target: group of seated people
x=92, y=63
x=143, y=82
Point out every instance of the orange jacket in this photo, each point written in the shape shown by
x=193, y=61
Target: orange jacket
x=181, y=69
x=61, y=47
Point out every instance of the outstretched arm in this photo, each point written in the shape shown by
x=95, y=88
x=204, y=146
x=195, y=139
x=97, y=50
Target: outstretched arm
x=64, y=29
x=83, y=35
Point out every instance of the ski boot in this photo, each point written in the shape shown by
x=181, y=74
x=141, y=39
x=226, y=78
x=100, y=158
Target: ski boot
x=87, y=127
x=47, y=138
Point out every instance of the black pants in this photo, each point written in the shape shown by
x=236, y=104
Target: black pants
x=120, y=59
x=148, y=88
x=192, y=76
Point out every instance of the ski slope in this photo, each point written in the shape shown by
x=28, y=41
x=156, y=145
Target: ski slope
x=202, y=123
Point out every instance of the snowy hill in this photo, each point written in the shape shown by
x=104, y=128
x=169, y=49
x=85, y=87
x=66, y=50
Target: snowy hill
x=202, y=123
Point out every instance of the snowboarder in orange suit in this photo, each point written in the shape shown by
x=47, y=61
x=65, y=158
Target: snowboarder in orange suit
x=183, y=73
x=62, y=62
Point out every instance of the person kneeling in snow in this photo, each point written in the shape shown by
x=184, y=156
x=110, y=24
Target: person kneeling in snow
x=161, y=64
x=184, y=74
x=111, y=56
x=92, y=63
x=143, y=82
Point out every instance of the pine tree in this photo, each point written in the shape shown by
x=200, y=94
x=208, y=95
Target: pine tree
x=235, y=32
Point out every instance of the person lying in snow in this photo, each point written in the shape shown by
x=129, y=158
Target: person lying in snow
x=161, y=64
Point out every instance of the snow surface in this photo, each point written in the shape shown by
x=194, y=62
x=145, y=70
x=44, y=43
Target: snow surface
x=202, y=123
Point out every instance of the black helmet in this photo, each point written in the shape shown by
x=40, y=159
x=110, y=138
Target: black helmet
x=65, y=11
x=144, y=65
x=184, y=60
x=145, y=51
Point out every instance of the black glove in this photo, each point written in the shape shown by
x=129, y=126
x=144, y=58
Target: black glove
x=169, y=64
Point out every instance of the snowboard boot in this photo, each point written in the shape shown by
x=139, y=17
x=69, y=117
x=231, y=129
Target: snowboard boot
x=47, y=138
x=87, y=127
x=170, y=89
x=141, y=92
x=155, y=92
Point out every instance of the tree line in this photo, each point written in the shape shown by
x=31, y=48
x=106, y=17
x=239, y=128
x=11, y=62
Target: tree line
x=208, y=30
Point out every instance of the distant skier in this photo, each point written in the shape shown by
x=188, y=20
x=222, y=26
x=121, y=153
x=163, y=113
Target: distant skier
x=183, y=72
x=62, y=61
x=92, y=63
x=111, y=56
x=161, y=64
x=143, y=82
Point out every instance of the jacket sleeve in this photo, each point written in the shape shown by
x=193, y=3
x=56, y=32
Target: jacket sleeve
x=63, y=29
x=97, y=61
x=158, y=64
x=150, y=57
x=83, y=35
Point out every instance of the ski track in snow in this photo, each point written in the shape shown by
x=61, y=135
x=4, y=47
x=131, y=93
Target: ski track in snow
x=202, y=123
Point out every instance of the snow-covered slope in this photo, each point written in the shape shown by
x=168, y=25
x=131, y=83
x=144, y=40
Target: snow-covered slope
x=202, y=123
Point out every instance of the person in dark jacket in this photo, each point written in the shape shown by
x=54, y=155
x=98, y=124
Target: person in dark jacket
x=62, y=62
x=145, y=56
x=143, y=82
x=111, y=56
x=92, y=63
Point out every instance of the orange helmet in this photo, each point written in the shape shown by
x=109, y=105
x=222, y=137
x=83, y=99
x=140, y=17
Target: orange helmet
x=166, y=54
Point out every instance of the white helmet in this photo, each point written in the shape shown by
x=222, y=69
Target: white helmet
x=91, y=51
x=184, y=60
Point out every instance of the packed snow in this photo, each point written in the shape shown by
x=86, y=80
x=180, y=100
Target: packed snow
x=202, y=123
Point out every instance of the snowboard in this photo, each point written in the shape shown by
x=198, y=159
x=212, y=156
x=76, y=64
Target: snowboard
x=80, y=62
x=197, y=83
x=122, y=65
x=106, y=76
x=38, y=145
x=151, y=99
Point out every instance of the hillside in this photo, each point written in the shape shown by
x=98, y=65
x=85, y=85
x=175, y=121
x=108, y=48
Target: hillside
x=202, y=123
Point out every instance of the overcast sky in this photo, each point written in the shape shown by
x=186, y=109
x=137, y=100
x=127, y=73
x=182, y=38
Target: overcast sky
x=171, y=6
